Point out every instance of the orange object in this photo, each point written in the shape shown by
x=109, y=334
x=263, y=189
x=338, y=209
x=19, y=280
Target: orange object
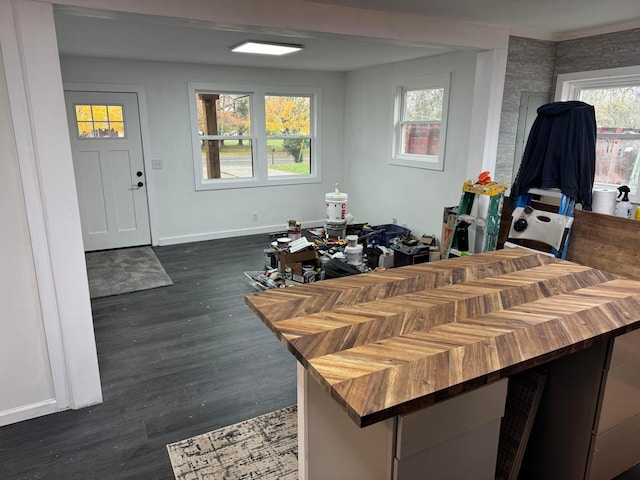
x=484, y=178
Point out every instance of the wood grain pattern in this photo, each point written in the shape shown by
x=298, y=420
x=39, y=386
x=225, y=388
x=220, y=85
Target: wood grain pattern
x=605, y=242
x=393, y=342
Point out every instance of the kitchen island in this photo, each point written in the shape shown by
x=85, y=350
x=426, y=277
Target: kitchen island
x=419, y=356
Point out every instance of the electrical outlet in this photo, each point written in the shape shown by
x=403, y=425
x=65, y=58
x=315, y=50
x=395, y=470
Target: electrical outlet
x=395, y=221
x=254, y=217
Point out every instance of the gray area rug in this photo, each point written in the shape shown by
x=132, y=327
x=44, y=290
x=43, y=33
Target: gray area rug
x=265, y=447
x=112, y=272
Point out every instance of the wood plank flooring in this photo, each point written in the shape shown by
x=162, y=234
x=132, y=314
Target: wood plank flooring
x=175, y=362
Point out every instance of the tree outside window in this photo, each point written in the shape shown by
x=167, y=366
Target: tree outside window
x=224, y=127
x=288, y=125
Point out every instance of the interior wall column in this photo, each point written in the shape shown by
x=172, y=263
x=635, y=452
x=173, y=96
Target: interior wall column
x=36, y=98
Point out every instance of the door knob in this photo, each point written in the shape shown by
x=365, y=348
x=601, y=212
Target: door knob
x=140, y=184
x=138, y=173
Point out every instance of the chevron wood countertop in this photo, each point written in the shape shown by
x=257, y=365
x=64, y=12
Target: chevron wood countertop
x=392, y=342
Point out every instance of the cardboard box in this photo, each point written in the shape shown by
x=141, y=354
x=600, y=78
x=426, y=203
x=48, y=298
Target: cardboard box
x=296, y=260
x=448, y=225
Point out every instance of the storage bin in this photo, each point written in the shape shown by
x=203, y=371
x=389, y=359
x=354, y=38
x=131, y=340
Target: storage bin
x=386, y=233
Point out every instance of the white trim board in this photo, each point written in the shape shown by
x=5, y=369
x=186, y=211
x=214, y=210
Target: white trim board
x=201, y=237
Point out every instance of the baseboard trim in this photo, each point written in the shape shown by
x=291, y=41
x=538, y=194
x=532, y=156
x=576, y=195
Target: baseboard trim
x=26, y=412
x=201, y=237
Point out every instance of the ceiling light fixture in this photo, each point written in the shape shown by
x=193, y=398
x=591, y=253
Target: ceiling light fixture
x=266, y=48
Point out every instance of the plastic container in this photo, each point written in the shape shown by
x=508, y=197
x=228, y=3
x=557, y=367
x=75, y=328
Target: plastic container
x=336, y=202
x=386, y=233
x=624, y=208
x=354, y=254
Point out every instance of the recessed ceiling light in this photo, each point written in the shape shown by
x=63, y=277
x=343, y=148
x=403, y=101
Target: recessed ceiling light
x=266, y=48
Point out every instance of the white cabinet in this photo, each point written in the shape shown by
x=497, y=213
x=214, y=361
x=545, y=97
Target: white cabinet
x=455, y=438
x=617, y=436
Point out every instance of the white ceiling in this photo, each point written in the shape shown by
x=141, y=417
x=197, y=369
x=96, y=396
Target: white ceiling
x=541, y=18
x=142, y=37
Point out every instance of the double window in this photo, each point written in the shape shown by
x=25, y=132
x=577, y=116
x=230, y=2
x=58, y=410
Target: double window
x=615, y=95
x=421, y=121
x=253, y=136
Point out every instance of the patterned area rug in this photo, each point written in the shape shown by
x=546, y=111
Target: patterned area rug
x=265, y=447
x=113, y=272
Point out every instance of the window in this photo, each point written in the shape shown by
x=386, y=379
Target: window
x=99, y=121
x=288, y=122
x=224, y=131
x=615, y=95
x=421, y=122
x=253, y=137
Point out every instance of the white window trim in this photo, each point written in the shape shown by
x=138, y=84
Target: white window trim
x=568, y=86
x=429, y=162
x=258, y=136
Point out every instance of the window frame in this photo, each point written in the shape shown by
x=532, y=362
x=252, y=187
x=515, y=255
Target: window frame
x=258, y=136
x=569, y=86
x=423, y=82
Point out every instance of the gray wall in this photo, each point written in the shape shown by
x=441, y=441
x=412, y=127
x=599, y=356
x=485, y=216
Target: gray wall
x=532, y=66
x=620, y=49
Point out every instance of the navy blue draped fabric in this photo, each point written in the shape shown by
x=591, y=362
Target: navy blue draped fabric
x=560, y=152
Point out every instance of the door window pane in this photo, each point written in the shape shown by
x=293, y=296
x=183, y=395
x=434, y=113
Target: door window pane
x=100, y=121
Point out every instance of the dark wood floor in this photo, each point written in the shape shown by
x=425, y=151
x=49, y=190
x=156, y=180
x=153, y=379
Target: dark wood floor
x=175, y=362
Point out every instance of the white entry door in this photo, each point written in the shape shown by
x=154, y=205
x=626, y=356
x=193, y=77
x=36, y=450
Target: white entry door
x=109, y=169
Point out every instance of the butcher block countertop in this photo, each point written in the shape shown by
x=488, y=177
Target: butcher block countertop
x=392, y=342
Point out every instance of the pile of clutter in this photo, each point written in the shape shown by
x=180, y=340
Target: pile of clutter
x=294, y=259
x=338, y=249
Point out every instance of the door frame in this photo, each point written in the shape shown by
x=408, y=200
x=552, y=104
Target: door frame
x=146, y=140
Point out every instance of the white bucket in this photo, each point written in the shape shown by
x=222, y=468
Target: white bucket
x=336, y=207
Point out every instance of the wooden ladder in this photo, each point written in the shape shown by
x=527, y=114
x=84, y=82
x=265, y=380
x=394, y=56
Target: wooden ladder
x=489, y=224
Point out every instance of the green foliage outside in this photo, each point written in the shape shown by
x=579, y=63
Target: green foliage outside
x=296, y=148
x=302, y=168
x=615, y=107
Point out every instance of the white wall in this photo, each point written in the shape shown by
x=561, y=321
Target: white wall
x=378, y=191
x=185, y=214
x=48, y=358
x=26, y=377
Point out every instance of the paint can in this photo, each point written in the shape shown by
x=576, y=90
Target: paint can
x=336, y=203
